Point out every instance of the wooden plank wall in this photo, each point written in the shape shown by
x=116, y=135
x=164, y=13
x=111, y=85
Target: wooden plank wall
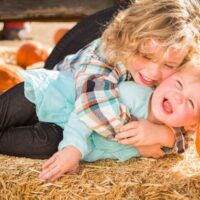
x=50, y=10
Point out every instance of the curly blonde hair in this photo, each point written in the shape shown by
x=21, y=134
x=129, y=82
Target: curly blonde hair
x=192, y=67
x=175, y=23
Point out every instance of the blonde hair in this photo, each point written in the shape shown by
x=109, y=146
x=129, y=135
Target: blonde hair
x=192, y=67
x=172, y=22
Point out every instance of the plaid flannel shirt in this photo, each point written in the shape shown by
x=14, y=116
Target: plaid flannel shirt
x=97, y=103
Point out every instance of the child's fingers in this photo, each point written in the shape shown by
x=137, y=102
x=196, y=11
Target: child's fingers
x=158, y=154
x=74, y=171
x=129, y=141
x=56, y=176
x=130, y=125
x=156, y=151
x=126, y=134
x=61, y=172
x=49, y=162
x=48, y=169
x=49, y=174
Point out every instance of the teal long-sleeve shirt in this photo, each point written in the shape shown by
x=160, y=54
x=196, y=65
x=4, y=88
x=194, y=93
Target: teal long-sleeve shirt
x=53, y=93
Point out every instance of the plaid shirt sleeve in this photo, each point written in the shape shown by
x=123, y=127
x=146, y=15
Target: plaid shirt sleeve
x=97, y=100
x=99, y=107
x=180, y=143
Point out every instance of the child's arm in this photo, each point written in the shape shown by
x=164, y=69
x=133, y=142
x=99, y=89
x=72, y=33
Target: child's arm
x=65, y=160
x=144, y=132
x=72, y=148
x=75, y=134
x=99, y=107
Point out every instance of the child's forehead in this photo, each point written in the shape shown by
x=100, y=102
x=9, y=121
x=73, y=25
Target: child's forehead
x=154, y=45
x=189, y=72
x=173, y=54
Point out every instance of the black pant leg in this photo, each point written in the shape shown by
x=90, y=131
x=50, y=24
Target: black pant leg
x=15, y=109
x=34, y=141
x=21, y=134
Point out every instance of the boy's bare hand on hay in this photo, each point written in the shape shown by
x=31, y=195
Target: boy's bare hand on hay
x=151, y=151
x=144, y=132
x=63, y=161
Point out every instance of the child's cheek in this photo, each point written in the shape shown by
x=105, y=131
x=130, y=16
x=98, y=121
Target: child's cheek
x=134, y=67
x=188, y=116
x=136, y=64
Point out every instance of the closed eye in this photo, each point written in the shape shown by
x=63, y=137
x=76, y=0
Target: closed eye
x=146, y=57
x=179, y=84
x=170, y=66
x=191, y=103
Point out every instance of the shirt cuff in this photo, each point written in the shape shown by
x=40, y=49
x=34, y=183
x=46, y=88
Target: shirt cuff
x=180, y=144
x=75, y=134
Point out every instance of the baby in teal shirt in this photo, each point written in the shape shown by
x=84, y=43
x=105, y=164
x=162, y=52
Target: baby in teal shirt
x=59, y=108
x=173, y=103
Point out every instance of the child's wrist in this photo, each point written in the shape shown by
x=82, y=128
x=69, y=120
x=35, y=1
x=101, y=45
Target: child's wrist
x=73, y=152
x=170, y=137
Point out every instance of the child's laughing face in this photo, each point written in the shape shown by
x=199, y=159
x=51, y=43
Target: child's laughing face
x=176, y=101
x=153, y=64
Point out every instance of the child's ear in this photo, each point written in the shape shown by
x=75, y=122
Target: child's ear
x=190, y=127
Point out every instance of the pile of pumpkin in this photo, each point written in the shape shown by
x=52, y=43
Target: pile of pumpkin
x=27, y=55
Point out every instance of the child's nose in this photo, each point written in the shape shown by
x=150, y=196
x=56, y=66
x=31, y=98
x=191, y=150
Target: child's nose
x=155, y=71
x=178, y=98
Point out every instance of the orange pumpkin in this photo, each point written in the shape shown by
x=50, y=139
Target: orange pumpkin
x=197, y=142
x=59, y=34
x=30, y=53
x=8, y=76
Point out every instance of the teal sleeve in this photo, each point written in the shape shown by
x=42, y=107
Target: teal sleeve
x=75, y=134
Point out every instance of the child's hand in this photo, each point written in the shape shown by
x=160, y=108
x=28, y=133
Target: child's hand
x=144, y=132
x=65, y=160
x=151, y=151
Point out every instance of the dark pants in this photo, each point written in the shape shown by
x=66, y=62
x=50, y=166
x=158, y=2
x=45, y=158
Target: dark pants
x=21, y=134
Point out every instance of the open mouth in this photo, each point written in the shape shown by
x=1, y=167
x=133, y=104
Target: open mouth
x=147, y=81
x=167, y=107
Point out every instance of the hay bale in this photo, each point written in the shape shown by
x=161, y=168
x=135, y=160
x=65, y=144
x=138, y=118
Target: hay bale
x=172, y=177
